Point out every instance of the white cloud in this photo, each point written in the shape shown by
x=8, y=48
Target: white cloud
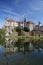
x=12, y=14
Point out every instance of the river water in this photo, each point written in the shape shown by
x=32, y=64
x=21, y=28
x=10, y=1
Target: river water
x=21, y=52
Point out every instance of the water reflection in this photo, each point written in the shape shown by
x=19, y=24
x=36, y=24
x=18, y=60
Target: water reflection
x=22, y=46
x=22, y=52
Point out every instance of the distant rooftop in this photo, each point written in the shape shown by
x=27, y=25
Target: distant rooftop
x=11, y=20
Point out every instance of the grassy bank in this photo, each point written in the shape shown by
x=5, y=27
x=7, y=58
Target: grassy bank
x=24, y=37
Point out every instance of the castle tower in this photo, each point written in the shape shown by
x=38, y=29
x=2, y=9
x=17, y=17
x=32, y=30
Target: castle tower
x=25, y=19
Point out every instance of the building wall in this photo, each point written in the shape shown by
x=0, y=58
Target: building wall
x=25, y=25
x=31, y=27
x=21, y=25
x=9, y=25
x=15, y=24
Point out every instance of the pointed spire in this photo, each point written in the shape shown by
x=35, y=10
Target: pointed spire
x=39, y=23
x=24, y=19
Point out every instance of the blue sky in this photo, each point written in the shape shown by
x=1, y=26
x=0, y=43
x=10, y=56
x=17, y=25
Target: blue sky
x=18, y=9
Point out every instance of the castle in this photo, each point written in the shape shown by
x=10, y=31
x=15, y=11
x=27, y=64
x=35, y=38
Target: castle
x=9, y=24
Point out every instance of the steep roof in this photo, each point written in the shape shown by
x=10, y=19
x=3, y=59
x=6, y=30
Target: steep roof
x=30, y=22
x=10, y=20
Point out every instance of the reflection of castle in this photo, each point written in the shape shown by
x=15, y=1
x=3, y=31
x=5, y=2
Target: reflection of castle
x=9, y=24
x=19, y=46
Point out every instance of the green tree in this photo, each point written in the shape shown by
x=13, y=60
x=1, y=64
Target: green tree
x=26, y=29
x=2, y=36
x=18, y=29
x=2, y=32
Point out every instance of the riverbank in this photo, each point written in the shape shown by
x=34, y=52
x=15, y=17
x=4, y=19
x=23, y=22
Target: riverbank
x=29, y=37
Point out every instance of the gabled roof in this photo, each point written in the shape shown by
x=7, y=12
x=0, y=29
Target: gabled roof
x=10, y=20
x=30, y=22
x=19, y=22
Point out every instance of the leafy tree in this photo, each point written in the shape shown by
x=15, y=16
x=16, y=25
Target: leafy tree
x=26, y=29
x=18, y=29
x=2, y=32
x=2, y=36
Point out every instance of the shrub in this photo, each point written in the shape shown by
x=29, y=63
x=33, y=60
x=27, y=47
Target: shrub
x=32, y=33
x=21, y=33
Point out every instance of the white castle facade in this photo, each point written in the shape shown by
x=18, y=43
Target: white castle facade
x=9, y=24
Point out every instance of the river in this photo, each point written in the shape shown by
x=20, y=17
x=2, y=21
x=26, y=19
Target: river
x=21, y=52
